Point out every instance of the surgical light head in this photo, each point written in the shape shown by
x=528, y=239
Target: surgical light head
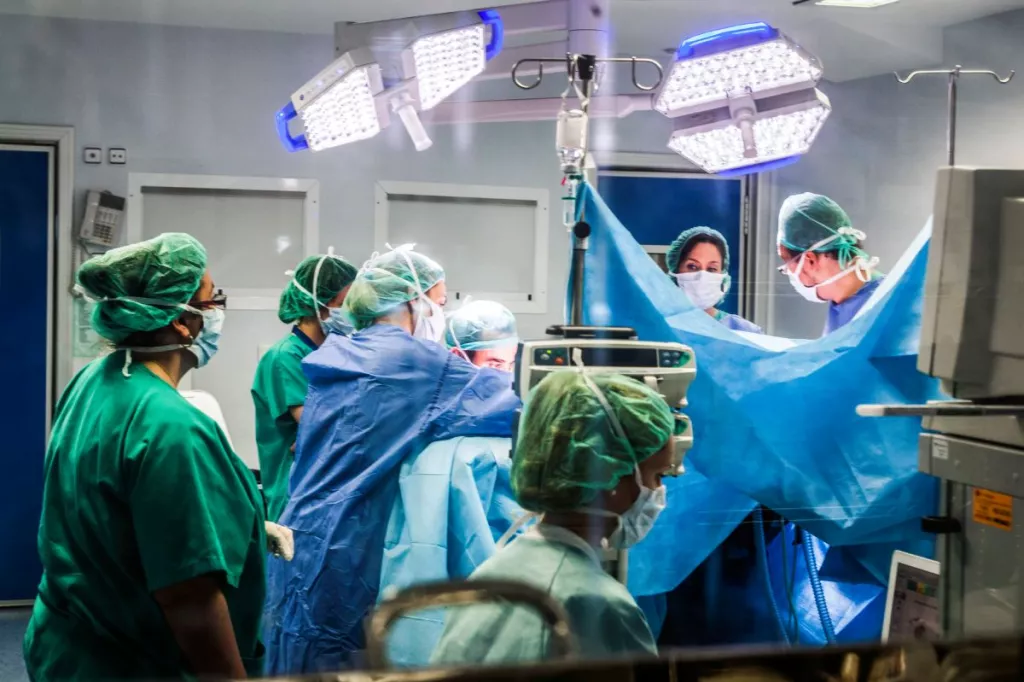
x=747, y=133
x=743, y=97
x=352, y=99
x=337, y=106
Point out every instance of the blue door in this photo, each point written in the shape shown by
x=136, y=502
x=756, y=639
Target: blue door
x=25, y=297
x=656, y=207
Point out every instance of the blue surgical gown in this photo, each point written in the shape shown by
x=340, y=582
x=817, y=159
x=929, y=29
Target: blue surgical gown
x=455, y=501
x=840, y=314
x=738, y=324
x=376, y=399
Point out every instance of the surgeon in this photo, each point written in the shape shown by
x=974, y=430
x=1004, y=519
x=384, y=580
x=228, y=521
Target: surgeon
x=698, y=261
x=822, y=254
x=484, y=332
x=455, y=497
x=311, y=303
x=376, y=399
x=152, y=532
x=590, y=457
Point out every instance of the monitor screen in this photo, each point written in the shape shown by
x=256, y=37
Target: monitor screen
x=914, y=605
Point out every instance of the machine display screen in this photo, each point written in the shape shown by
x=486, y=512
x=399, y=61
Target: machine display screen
x=915, y=605
x=620, y=357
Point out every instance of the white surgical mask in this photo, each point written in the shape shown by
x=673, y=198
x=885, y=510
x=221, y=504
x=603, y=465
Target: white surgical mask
x=205, y=345
x=863, y=267
x=705, y=289
x=810, y=293
x=429, y=327
x=638, y=520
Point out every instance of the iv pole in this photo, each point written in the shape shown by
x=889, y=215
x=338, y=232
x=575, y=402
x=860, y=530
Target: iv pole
x=954, y=75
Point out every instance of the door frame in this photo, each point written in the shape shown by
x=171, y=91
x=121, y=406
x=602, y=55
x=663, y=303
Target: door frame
x=61, y=139
x=675, y=166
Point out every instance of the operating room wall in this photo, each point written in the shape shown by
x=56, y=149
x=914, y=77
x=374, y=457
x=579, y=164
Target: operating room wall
x=202, y=101
x=879, y=153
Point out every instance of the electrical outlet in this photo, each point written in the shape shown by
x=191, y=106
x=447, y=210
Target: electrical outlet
x=92, y=155
x=118, y=156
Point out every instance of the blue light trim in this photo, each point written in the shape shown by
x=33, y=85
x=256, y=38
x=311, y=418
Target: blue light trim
x=726, y=38
x=759, y=167
x=291, y=143
x=493, y=19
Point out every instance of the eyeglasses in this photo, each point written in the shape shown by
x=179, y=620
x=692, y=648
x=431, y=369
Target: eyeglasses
x=219, y=300
x=784, y=268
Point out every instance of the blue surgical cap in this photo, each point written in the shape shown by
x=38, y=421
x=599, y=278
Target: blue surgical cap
x=479, y=325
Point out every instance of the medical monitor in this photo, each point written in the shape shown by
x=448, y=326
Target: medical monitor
x=912, y=605
x=972, y=327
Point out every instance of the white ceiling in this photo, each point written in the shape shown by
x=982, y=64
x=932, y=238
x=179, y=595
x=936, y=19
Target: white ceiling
x=852, y=43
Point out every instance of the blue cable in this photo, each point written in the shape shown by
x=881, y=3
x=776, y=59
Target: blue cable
x=762, y=555
x=819, y=593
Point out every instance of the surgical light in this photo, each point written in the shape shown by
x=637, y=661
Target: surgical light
x=750, y=58
x=748, y=133
x=446, y=61
x=337, y=106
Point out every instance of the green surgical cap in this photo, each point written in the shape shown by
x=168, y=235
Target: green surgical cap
x=386, y=282
x=679, y=246
x=568, y=450
x=806, y=219
x=480, y=325
x=334, y=275
x=164, y=271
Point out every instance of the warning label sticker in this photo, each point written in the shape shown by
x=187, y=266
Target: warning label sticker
x=993, y=509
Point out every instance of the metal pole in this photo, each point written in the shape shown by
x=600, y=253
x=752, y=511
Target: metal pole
x=954, y=79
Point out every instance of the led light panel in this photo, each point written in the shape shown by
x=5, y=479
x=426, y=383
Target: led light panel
x=856, y=4
x=775, y=136
x=446, y=61
x=771, y=66
x=345, y=112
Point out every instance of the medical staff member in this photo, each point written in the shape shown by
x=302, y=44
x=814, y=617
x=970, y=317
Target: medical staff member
x=151, y=538
x=376, y=399
x=698, y=261
x=589, y=459
x=484, y=332
x=822, y=254
x=438, y=532
x=312, y=304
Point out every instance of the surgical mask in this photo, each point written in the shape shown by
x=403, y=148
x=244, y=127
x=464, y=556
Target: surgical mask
x=336, y=323
x=638, y=520
x=205, y=345
x=810, y=293
x=859, y=264
x=428, y=327
x=705, y=289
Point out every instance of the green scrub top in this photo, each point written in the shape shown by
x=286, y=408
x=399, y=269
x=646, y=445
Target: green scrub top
x=279, y=386
x=603, y=616
x=142, y=491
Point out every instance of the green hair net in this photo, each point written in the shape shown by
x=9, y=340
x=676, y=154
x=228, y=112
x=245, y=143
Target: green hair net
x=386, y=282
x=142, y=287
x=678, y=247
x=479, y=325
x=806, y=220
x=568, y=449
x=328, y=273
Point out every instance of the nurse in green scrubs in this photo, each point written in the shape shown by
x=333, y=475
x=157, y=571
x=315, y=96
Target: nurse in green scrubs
x=152, y=537
x=312, y=304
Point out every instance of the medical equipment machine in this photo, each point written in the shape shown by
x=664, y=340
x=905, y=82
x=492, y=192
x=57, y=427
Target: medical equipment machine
x=104, y=216
x=668, y=368
x=912, y=603
x=972, y=338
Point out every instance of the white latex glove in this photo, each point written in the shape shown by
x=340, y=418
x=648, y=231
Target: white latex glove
x=280, y=541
